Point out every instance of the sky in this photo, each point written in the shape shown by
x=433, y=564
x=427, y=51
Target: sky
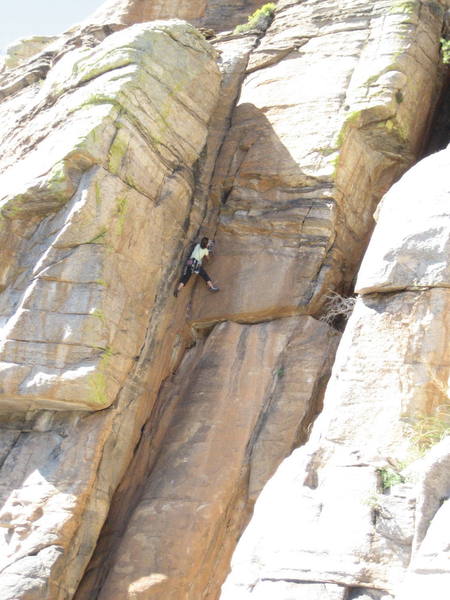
x=25, y=18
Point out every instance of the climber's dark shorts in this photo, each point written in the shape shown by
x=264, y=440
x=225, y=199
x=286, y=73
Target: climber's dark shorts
x=188, y=272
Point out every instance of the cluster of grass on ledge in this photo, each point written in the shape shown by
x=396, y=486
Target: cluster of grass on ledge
x=259, y=20
x=428, y=430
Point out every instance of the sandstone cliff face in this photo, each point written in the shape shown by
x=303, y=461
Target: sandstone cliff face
x=191, y=511
x=272, y=220
x=333, y=108
x=97, y=187
x=221, y=16
x=74, y=278
x=20, y=51
x=326, y=526
x=121, y=148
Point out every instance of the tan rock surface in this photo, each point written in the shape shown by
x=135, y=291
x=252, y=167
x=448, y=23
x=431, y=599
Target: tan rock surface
x=326, y=516
x=346, y=84
x=233, y=58
x=221, y=16
x=137, y=582
x=73, y=286
x=23, y=49
x=129, y=12
x=223, y=443
x=92, y=227
x=37, y=65
x=420, y=226
x=233, y=55
x=330, y=79
x=429, y=572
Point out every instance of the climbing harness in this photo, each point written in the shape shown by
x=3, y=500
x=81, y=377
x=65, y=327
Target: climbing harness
x=193, y=265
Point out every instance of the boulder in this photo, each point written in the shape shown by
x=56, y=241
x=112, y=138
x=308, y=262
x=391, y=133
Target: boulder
x=417, y=224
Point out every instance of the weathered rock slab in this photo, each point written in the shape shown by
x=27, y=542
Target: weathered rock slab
x=341, y=509
x=329, y=523
x=129, y=12
x=332, y=111
x=223, y=443
x=91, y=232
x=21, y=50
x=79, y=284
x=221, y=16
x=428, y=572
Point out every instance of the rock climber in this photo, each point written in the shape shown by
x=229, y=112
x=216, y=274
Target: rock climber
x=194, y=265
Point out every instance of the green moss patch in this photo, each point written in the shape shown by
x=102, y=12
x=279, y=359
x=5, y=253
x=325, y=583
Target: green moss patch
x=97, y=389
x=445, y=51
x=404, y=7
x=121, y=207
x=117, y=153
x=98, y=380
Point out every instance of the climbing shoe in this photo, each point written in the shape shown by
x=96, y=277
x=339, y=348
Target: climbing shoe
x=214, y=289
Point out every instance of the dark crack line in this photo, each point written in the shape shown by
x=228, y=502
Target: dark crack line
x=11, y=449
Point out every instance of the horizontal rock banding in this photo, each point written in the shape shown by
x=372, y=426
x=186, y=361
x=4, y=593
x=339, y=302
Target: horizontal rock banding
x=92, y=228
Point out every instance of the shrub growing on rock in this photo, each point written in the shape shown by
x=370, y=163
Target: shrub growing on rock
x=428, y=430
x=259, y=20
x=337, y=310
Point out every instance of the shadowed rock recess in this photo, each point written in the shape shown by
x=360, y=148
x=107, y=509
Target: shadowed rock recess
x=226, y=446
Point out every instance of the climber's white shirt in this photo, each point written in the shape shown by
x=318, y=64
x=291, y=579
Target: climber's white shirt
x=199, y=253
